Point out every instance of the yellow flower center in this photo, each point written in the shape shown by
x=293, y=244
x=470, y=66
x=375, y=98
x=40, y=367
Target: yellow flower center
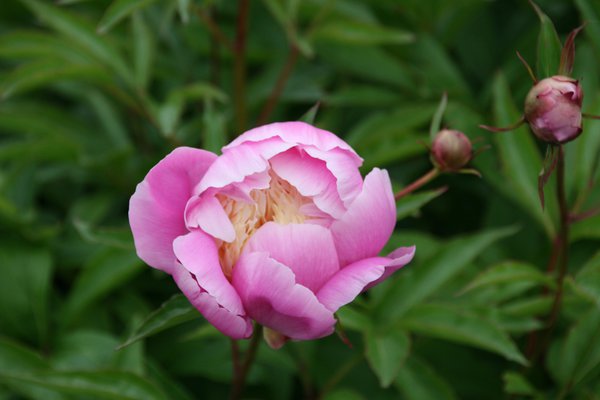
x=280, y=203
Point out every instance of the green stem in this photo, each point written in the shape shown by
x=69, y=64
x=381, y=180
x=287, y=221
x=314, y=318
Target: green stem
x=417, y=184
x=241, y=370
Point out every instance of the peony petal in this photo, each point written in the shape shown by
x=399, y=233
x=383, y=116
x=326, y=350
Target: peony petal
x=311, y=178
x=198, y=253
x=229, y=323
x=401, y=256
x=366, y=227
x=344, y=166
x=157, y=207
x=207, y=213
x=240, y=162
x=308, y=250
x=294, y=133
x=349, y=282
x=272, y=298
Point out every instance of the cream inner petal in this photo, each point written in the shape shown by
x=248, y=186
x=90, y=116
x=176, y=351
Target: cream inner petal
x=280, y=203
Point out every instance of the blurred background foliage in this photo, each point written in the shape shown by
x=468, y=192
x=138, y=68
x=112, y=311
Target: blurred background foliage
x=93, y=93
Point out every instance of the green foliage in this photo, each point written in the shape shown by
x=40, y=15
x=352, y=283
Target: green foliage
x=94, y=93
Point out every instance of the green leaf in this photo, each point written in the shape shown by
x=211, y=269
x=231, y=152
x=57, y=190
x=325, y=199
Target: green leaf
x=386, y=353
x=587, y=229
x=183, y=7
x=24, y=291
x=374, y=64
x=389, y=125
x=457, y=325
x=174, y=311
x=215, y=130
x=81, y=32
x=521, y=160
x=579, y=354
x=515, y=383
x=117, y=385
x=417, y=283
x=310, y=115
x=40, y=73
x=170, y=112
x=143, y=49
x=588, y=278
x=548, y=46
x=418, y=381
x=411, y=204
x=507, y=272
x=590, y=11
x=356, y=32
x=118, y=10
x=363, y=96
x=17, y=359
x=436, y=121
x=35, y=45
x=104, y=273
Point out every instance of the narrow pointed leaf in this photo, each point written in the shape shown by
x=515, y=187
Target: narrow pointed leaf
x=417, y=381
x=567, y=56
x=417, y=284
x=436, y=122
x=386, y=353
x=174, y=311
x=118, y=10
x=548, y=45
x=409, y=205
x=507, y=272
x=81, y=32
x=458, y=325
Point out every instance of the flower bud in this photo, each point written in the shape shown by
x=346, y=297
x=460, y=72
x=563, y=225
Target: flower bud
x=553, y=109
x=451, y=150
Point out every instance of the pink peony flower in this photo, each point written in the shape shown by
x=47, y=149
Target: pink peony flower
x=553, y=109
x=280, y=229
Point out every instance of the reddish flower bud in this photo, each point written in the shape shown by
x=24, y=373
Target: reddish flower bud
x=451, y=150
x=553, y=109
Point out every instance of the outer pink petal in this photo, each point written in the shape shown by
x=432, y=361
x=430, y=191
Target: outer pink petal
x=401, y=257
x=156, y=208
x=306, y=249
x=366, y=227
x=344, y=286
x=294, y=133
x=198, y=253
x=311, y=178
x=207, y=213
x=272, y=298
x=229, y=323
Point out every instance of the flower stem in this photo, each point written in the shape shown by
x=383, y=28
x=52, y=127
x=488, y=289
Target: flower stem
x=417, y=184
x=240, y=65
x=563, y=236
x=241, y=370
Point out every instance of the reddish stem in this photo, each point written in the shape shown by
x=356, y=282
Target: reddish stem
x=417, y=184
x=240, y=65
x=284, y=75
